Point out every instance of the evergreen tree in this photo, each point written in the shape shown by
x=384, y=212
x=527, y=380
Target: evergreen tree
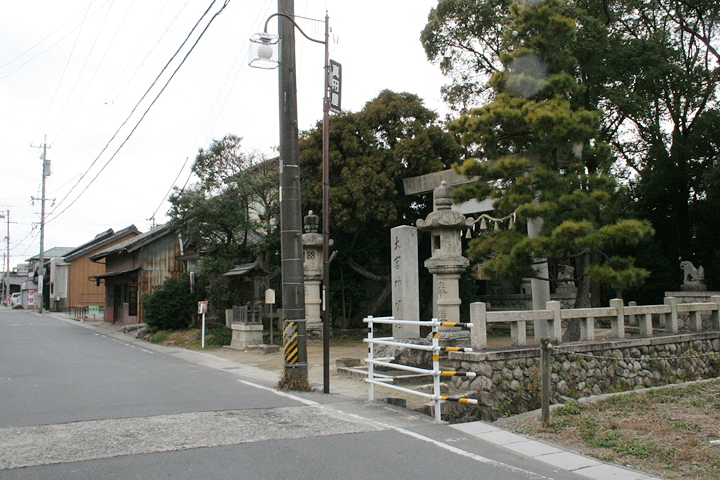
x=230, y=214
x=371, y=151
x=652, y=68
x=538, y=154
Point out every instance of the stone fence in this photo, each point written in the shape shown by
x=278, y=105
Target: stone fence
x=619, y=315
x=507, y=381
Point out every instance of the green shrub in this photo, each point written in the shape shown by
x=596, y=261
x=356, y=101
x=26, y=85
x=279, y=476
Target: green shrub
x=218, y=336
x=171, y=306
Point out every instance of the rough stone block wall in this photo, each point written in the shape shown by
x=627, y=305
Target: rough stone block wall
x=508, y=381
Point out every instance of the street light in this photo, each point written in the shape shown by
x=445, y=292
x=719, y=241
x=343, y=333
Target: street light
x=265, y=52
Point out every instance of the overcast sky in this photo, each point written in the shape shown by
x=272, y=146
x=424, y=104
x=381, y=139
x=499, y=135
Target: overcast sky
x=72, y=71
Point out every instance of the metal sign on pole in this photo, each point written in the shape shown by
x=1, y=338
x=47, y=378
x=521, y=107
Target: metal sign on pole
x=202, y=308
x=270, y=300
x=335, y=86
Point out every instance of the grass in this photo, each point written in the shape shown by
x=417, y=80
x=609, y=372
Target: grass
x=294, y=383
x=665, y=432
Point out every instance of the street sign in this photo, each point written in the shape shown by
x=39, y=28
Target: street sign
x=202, y=307
x=270, y=296
x=335, y=85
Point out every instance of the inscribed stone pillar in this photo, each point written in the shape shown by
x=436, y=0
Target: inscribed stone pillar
x=405, y=289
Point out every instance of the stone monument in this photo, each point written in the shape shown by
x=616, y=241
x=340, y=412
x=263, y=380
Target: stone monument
x=446, y=262
x=313, y=272
x=405, y=289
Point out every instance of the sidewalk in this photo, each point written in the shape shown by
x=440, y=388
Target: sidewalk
x=269, y=367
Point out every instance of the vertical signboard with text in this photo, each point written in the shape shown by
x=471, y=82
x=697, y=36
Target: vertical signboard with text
x=335, y=86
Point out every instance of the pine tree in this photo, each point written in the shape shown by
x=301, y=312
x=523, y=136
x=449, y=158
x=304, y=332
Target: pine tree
x=537, y=153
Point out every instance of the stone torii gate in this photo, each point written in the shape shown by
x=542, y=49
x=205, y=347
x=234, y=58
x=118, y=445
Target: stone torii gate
x=425, y=184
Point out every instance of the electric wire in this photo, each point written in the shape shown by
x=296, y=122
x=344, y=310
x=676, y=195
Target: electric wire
x=142, y=62
x=97, y=68
x=67, y=63
x=45, y=38
x=170, y=189
x=226, y=2
x=80, y=27
x=259, y=20
x=137, y=105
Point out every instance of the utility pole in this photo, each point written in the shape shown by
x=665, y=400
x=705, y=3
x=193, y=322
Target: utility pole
x=41, y=274
x=293, y=290
x=6, y=283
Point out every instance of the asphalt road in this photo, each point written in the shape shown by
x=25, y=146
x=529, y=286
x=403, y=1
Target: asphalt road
x=77, y=403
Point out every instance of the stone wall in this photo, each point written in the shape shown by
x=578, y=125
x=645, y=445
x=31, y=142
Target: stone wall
x=508, y=381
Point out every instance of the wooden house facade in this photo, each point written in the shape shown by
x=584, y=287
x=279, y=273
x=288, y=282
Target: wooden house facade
x=133, y=268
x=83, y=289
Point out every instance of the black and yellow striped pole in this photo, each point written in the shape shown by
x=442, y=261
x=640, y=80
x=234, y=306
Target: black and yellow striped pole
x=449, y=373
x=471, y=401
x=295, y=347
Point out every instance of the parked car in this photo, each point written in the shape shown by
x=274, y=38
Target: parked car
x=16, y=300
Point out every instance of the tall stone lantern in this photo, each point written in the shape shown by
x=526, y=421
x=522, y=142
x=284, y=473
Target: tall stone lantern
x=446, y=263
x=313, y=272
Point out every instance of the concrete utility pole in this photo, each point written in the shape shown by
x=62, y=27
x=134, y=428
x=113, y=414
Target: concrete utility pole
x=6, y=284
x=41, y=274
x=293, y=290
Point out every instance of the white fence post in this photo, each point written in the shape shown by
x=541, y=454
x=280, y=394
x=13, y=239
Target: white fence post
x=617, y=323
x=436, y=369
x=715, y=314
x=556, y=330
x=587, y=328
x=518, y=333
x=695, y=321
x=646, y=328
x=671, y=318
x=478, y=333
x=386, y=381
x=632, y=320
x=371, y=346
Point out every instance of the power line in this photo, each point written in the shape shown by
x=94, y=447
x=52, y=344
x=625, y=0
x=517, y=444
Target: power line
x=46, y=37
x=138, y=104
x=171, y=187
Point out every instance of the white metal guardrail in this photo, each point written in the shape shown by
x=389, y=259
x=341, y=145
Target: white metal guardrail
x=385, y=381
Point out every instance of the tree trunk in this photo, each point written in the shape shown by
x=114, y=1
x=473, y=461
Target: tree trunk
x=582, y=297
x=380, y=299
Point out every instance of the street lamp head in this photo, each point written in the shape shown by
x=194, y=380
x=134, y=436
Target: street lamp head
x=264, y=51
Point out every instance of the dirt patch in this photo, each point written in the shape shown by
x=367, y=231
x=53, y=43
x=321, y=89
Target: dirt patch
x=672, y=432
x=275, y=362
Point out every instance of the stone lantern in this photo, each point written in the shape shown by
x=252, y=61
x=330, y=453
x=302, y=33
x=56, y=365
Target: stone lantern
x=446, y=263
x=313, y=272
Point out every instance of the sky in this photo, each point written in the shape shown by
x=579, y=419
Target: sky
x=85, y=78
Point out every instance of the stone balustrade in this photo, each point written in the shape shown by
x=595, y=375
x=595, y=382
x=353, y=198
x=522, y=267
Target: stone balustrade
x=619, y=315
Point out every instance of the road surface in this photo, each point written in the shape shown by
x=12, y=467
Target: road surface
x=79, y=403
